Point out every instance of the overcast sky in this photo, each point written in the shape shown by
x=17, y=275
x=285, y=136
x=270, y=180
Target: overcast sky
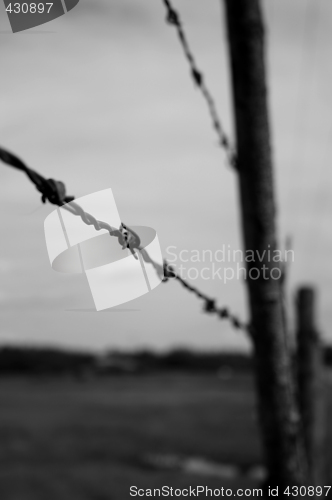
x=102, y=98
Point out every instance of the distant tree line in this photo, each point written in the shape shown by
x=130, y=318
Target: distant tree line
x=25, y=361
x=52, y=361
x=192, y=361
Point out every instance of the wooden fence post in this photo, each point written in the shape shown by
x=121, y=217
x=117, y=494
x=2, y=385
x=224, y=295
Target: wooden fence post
x=279, y=416
x=310, y=383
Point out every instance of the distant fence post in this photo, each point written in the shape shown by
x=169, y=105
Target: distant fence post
x=310, y=384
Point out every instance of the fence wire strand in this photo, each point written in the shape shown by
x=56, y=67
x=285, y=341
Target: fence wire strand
x=55, y=192
x=173, y=18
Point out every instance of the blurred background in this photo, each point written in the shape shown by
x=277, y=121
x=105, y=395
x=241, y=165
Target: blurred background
x=99, y=98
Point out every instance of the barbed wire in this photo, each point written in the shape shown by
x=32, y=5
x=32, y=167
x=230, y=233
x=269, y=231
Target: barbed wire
x=210, y=304
x=55, y=192
x=173, y=18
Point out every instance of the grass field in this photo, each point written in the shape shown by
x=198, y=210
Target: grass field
x=66, y=439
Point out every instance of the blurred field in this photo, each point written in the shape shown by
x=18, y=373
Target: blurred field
x=67, y=439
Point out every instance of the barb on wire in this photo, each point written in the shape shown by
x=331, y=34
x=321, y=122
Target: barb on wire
x=173, y=18
x=209, y=304
x=55, y=192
